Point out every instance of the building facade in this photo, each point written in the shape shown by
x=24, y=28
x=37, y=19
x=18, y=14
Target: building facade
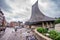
x=2, y=18
x=13, y=23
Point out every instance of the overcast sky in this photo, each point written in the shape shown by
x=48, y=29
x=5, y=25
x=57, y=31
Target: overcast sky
x=20, y=10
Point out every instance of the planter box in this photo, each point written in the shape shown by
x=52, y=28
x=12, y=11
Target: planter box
x=40, y=36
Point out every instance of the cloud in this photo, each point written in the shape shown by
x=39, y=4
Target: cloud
x=20, y=10
x=4, y=6
x=50, y=8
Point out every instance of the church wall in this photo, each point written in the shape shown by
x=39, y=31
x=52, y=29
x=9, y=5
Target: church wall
x=48, y=25
x=43, y=24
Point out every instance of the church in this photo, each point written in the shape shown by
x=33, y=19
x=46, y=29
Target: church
x=38, y=19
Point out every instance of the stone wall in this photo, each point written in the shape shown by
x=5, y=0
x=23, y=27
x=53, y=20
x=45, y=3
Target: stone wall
x=39, y=36
x=57, y=27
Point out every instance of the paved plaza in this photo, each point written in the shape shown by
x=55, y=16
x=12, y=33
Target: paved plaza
x=20, y=34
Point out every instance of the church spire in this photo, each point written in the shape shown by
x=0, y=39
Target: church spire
x=0, y=9
x=37, y=0
x=36, y=3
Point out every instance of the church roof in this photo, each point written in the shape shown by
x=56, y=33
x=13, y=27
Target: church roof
x=37, y=15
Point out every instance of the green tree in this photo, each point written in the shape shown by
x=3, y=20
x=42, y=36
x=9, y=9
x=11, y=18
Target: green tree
x=57, y=21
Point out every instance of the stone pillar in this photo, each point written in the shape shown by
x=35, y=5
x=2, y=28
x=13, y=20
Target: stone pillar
x=33, y=27
x=47, y=24
x=51, y=25
x=43, y=25
x=29, y=26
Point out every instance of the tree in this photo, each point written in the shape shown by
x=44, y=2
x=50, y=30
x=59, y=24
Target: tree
x=57, y=21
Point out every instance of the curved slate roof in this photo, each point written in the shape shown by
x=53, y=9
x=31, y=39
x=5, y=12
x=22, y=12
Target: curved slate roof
x=37, y=15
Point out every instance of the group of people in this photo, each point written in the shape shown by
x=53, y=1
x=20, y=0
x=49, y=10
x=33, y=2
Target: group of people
x=29, y=37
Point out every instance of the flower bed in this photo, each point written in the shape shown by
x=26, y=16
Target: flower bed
x=44, y=34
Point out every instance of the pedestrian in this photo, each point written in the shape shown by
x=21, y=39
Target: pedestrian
x=31, y=38
x=15, y=29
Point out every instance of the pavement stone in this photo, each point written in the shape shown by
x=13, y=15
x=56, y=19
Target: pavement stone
x=20, y=34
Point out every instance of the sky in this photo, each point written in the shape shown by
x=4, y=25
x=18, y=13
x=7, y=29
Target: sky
x=20, y=10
